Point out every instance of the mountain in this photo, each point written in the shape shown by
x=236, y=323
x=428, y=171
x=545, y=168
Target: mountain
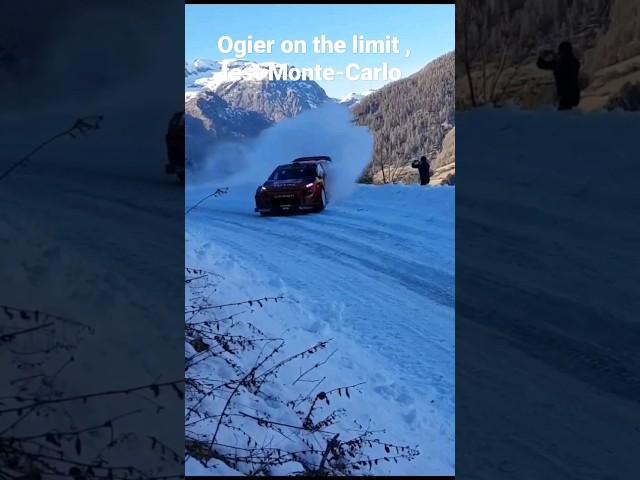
x=200, y=68
x=353, y=98
x=605, y=35
x=245, y=85
x=409, y=118
x=209, y=118
x=235, y=99
x=208, y=112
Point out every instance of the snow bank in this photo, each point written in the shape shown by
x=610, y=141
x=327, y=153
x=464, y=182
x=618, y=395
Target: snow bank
x=548, y=219
x=82, y=227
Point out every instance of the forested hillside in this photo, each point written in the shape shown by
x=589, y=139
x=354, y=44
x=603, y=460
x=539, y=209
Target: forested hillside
x=498, y=43
x=409, y=118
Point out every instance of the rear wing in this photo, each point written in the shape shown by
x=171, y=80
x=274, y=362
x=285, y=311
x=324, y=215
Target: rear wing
x=321, y=158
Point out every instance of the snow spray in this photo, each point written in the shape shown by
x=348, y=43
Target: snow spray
x=327, y=130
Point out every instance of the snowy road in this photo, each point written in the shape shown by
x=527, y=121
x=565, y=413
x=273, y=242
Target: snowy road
x=375, y=273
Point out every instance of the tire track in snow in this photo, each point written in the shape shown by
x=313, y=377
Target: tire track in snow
x=411, y=279
x=352, y=289
x=411, y=302
x=375, y=273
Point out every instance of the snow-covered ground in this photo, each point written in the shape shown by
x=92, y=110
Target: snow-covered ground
x=374, y=273
x=91, y=227
x=91, y=230
x=547, y=298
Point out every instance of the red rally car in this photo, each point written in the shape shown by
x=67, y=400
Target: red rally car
x=297, y=186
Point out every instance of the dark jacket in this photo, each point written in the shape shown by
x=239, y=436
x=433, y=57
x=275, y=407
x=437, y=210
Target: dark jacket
x=423, y=169
x=565, y=68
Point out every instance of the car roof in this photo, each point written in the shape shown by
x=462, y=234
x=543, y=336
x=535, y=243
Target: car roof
x=299, y=164
x=316, y=159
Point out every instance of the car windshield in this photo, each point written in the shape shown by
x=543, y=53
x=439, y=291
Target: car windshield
x=294, y=172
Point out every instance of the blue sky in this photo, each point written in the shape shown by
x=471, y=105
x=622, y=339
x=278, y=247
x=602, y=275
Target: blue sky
x=427, y=30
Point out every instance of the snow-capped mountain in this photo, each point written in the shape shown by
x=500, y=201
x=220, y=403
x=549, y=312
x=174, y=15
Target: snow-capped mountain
x=197, y=70
x=210, y=74
x=200, y=67
x=246, y=85
x=235, y=98
x=354, y=98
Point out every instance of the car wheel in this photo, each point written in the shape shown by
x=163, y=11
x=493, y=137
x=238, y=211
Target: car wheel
x=323, y=201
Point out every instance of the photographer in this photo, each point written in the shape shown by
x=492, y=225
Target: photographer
x=423, y=169
x=565, y=67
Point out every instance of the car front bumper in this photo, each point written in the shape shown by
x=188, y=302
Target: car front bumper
x=285, y=202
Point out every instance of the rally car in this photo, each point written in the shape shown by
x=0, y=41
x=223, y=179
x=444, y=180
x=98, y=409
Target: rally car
x=296, y=186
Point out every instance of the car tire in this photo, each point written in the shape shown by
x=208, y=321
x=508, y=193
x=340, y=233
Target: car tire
x=323, y=201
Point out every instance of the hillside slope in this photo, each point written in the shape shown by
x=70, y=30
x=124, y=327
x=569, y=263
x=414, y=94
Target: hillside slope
x=409, y=117
x=444, y=165
x=605, y=34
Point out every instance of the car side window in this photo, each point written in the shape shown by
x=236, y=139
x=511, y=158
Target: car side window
x=320, y=172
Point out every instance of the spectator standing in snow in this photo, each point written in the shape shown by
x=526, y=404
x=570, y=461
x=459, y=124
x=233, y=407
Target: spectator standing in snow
x=565, y=67
x=423, y=169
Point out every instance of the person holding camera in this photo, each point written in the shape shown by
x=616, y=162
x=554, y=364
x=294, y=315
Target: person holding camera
x=423, y=169
x=565, y=67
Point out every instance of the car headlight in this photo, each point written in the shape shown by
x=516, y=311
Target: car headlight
x=309, y=185
x=263, y=189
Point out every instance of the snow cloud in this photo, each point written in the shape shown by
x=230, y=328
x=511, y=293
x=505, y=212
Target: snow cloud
x=327, y=130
